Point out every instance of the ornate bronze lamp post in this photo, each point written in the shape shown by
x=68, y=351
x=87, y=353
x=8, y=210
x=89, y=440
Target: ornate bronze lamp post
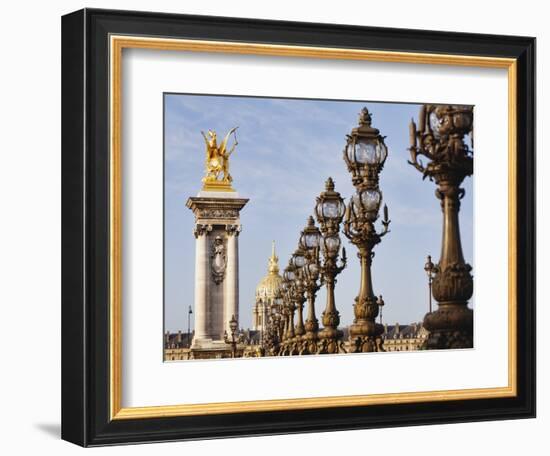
x=303, y=284
x=282, y=321
x=270, y=343
x=282, y=338
x=307, y=276
x=307, y=265
x=290, y=334
x=294, y=287
x=330, y=210
x=234, y=341
x=298, y=295
x=287, y=313
x=276, y=319
x=365, y=154
x=440, y=138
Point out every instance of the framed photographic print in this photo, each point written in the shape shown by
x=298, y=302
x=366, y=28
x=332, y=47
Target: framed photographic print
x=278, y=227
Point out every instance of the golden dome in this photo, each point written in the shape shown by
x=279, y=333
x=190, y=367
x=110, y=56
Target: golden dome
x=269, y=286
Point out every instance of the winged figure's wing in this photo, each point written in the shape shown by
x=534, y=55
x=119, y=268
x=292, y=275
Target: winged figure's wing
x=223, y=145
x=205, y=138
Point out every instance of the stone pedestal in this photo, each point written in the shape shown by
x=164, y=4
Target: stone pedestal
x=217, y=227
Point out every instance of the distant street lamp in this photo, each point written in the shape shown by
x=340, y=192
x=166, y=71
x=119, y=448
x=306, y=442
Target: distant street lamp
x=365, y=154
x=429, y=267
x=381, y=304
x=330, y=210
x=189, y=326
x=233, y=341
x=440, y=138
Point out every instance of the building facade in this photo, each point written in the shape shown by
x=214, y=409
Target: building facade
x=404, y=338
x=176, y=346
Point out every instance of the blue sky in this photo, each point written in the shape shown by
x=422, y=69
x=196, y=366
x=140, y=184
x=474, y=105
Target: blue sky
x=287, y=149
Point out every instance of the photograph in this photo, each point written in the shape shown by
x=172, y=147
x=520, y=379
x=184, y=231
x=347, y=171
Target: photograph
x=315, y=226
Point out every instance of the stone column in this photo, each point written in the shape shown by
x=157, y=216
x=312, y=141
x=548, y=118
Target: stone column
x=217, y=225
x=201, y=283
x=231, y=283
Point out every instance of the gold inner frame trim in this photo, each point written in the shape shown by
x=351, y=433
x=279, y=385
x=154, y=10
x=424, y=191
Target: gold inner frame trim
x=117, y=44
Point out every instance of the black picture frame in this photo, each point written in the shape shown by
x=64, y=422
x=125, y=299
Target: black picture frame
x=85, y=227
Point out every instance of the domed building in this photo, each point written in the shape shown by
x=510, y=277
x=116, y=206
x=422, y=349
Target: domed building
x=268, y=293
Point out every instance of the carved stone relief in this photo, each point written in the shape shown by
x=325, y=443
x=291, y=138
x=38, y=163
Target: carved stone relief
x=217, y=213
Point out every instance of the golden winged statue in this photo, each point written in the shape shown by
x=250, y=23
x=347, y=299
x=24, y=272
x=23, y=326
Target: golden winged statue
x=217, y=177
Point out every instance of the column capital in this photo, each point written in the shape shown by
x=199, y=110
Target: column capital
x=233, y=230
x=201, y=229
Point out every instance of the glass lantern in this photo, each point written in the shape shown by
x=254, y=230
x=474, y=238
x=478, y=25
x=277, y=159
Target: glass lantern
x=289, y=275
x=312, y=270
x=365, y=149
x=298, y=259
x=366, y=204
x=310, y=237
x=330, y=208
x=331, y=245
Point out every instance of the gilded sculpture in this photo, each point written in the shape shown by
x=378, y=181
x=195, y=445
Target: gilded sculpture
x=217, y=177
